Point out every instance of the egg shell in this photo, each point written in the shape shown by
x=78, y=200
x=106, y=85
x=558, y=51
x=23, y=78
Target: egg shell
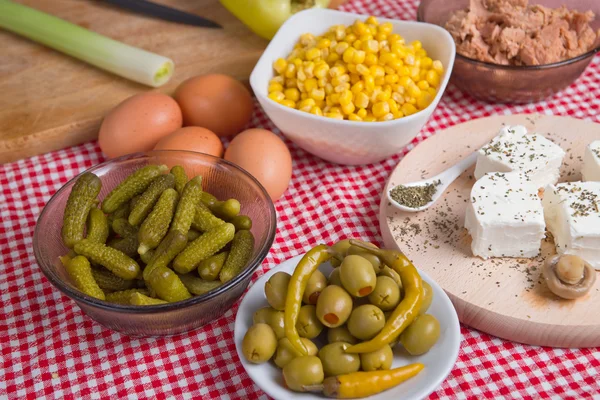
x=192, y=138
x=217, y=102
x=138, y=123
x=265, y=156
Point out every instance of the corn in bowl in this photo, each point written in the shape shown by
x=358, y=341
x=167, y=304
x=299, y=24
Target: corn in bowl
x=362, y=72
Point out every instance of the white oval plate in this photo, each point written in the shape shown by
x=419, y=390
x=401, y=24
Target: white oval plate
x=438, y=361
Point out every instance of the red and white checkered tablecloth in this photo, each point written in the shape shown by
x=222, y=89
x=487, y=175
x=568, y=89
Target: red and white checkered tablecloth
x=50, y=349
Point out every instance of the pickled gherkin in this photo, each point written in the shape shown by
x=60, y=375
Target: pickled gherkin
x=114, y=260
x=109, y=282
x=122, y=212
x=186, y=209
x=225, y=210
x=198, y=286
x=180, y=178
x=204, y=219
x=240, y=253
x=81, y=199
x=147, y=256
x=209, y=269
x=203, y=247
x=241, y=222
x=133, y=185
x=140, y=299
x=193, y=235
x=167, y=285
x=148, y=199
x=97, y=226
x=124, y=296
x=156, y=225
x=123, y=228
x=166, y=251
x=128, y=245
x=80, y=272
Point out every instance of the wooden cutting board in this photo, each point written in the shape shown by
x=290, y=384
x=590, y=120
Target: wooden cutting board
x=49, y=101
x=505, y=297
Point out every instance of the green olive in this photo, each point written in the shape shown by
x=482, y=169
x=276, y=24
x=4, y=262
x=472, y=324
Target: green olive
x=308, y=325
x=358, y=276
x=334, y=277
x=340, y=334
x=386, y=294
x=276, y=289
x=366, y=321
x=372, y=258
x=421, y=335
x=427, y=298
x=336, y=361
x=259, y=344
x=377, y=360
x=271, y=317
x=303, y=371
x=341, y=247
x=286, y=352
x=334, y=306
x=387, y=271
x=316, y=283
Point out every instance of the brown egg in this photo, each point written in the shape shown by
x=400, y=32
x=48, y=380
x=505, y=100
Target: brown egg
x=192, y=138
x=216, y=102
x=264, y=155
x=138, y=123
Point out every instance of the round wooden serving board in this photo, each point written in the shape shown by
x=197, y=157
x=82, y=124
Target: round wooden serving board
x=505, y=297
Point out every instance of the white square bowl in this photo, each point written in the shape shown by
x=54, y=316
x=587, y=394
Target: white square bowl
x=342, y=141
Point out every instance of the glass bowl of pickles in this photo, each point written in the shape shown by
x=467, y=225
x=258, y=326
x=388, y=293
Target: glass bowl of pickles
x=156, y=243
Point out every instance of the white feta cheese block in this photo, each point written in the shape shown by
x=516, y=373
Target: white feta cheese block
x=505, y=217
x=572, y=212
x=591, y=162
x=514, y=150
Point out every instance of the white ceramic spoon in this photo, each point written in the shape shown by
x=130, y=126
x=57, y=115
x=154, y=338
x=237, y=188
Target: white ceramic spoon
x=445, y=178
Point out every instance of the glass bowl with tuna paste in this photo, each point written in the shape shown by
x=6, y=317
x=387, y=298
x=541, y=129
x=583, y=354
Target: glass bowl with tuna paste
x=517, y=51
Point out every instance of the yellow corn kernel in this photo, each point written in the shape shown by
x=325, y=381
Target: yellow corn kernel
x=386, y=117
x=279, y=65
x=424, y=100
x=288, y=103
x=348, y=54
x=416, y=45
x=357, y=87
x=389, y=70
x=335, y=98
x=359, y=28
x=415, y=73
x=380, y=109
x=383, y=95
x=317, y=94
x=291, y=83
x=338, y=80
x=277, y=79
x=358, y=57
x=399, y=114
x=300, y=75
x=381, y=37
x=350, y=37
x=332, y=58
x=303, y=94
x=398, y=98
x=414, y=91
x=354, y=117
x=421, y=53
x=423, y=85
x=426, y=62
x=371, y=21
x=370, y=46
x=306, y=105
x=369, y=118
x=437, y=67
x=297, y=61
x=372, y=30
x=323, y=43
x=395, y=37
x=391, y=78
x=396, y=64
x=369, y=83
x=362, y=70
x=292, y=94
x=317, y=111
x=409, y=59
x=324, y=54
x=393, y=106
x=371, y=59
x=275, y=87
x=312, y=53
x=405, y=81
x=334, y=115
x=366, y=37
x=386, y=58
x=422, y=74
x=328, y=88
x=310, y=84
x=342, y=87
x=361, y=113
x=408, y=109
x=377, y=71
x=399, y=49
x=340, y=32
x=386, y=28
x=309, y=69
x=404, y=71
x=341, y=47
x=361, y=100
x=335, y=110
x=354, y=78
x=379, y=81
x=307, y=39
x=277, y=96
x=336, y=71
x=345, y=97
x=431, y=91
x=320, y=70
x=432, y=78
x=290, y=71
x=321, y=82
x=348, y=108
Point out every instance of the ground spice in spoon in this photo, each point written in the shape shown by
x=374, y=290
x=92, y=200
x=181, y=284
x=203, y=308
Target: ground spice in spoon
x=414, y=196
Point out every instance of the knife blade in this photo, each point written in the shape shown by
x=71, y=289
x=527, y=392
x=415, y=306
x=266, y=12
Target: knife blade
x=163, y=12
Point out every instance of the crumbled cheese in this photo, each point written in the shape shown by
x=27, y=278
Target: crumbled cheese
x=591, y=162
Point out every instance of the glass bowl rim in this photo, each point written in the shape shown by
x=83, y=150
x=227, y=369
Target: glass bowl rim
x=157, y=308
x=589, y=53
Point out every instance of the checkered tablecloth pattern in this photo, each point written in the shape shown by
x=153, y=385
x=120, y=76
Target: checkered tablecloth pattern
x=50, y=349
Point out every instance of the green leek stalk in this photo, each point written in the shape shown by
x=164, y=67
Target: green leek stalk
x=127, y=61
